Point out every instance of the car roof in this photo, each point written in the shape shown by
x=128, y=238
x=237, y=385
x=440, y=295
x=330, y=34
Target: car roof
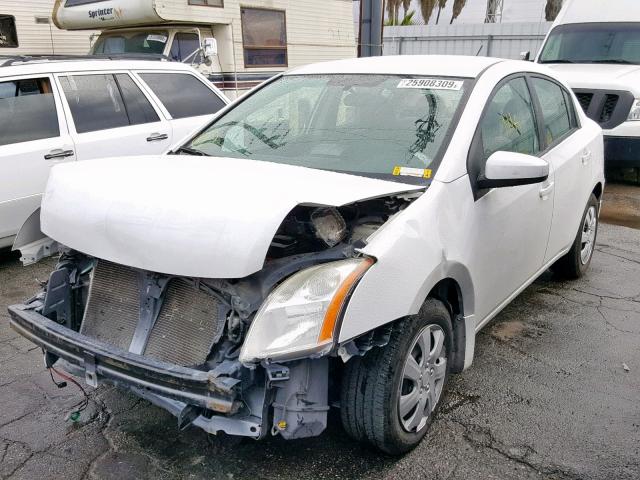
x=10, y=66
x=440, y=65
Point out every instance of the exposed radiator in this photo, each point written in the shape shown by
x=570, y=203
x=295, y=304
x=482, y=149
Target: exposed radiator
x=189, y=321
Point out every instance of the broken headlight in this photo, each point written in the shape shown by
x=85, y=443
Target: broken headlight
x=329, y=225
x=300, y=315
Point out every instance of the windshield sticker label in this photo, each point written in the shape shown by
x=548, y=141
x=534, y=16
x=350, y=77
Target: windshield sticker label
x=157, y=38
x=431, y=83
x=412, y=172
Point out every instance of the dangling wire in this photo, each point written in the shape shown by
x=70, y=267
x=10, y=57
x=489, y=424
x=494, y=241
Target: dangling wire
x=80, y=406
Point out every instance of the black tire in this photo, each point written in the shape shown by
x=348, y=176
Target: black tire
x=371, y=384
x=571, y=265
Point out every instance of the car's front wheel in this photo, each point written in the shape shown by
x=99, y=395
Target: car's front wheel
x=577, y=260
x=390, y=396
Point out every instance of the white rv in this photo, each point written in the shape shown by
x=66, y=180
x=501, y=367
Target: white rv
x=237, y=45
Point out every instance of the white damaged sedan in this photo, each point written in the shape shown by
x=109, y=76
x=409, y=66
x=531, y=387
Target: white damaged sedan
x=335, y=238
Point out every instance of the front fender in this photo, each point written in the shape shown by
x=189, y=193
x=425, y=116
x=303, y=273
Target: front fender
x=412, y=257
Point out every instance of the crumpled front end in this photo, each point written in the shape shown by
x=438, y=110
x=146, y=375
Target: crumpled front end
x=172, y=340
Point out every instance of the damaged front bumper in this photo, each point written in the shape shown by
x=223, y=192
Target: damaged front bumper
x=177, y=389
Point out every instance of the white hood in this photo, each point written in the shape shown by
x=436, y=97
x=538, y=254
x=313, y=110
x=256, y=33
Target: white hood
x=600, y=76
x=189, y=216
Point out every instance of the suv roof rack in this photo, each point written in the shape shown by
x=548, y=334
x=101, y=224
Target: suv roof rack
x=14, y=59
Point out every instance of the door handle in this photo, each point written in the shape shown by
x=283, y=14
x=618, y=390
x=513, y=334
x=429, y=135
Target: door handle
x=545, y=191
x=586, y=156
x=58, y=153
x=156, y=137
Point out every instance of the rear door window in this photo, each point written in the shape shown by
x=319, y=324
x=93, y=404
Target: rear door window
x=137, y=104
x=101, y=102
x=27, y=111
x=555, y=110
x=183, y=95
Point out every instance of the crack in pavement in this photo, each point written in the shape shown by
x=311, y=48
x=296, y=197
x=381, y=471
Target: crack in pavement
x=45, y=451
x=19, y=466
x=632, y=298
x=4, y=452
x=619, y=256
x=483, y=438
x=599, y=307
x=16, y=419
x=465, y=400
x=109, y=418
x=612, y=325
x=113, y=448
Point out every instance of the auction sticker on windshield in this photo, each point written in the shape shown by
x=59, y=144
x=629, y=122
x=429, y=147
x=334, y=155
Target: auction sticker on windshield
x=432, y=83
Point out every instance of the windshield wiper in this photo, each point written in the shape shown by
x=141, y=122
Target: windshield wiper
x=618, y=61
x=559, y=60
x=189, y=151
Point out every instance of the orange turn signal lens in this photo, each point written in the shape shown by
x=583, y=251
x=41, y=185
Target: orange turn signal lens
x=337, y=302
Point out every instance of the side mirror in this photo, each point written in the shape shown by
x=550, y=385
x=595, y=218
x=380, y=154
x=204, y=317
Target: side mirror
x=526, y=56
x=210, y=47
x=509, y=169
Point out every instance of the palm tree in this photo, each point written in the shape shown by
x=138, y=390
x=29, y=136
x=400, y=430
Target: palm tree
x=426, y=9
x=391, y=4
x=552, y=9
x=441, y=5
x=393, y=11
x=405, y=6
x=458, y=5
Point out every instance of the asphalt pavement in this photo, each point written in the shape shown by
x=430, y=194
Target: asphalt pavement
x=554, y=392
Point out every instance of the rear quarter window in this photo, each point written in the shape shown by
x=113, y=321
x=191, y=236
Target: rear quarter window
x=183, y=95
x=27, y=111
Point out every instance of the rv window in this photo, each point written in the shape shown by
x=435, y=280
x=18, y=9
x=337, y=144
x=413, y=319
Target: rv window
x=207, y=3
x=183, y=95
x=184, y=48
x=264, y=36
x=151, y=42
x=27, y=103
x=8, y=34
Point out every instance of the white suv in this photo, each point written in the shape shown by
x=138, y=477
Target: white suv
x=55, y=110
x=597, y=51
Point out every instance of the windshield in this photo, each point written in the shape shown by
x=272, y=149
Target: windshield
x=382, y=126
x=593, y=43
x=152, y=42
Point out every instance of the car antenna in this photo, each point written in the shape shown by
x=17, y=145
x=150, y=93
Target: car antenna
x=480, y=49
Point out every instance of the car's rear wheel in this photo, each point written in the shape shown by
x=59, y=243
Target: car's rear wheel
x=577, y=260
x=390, y=396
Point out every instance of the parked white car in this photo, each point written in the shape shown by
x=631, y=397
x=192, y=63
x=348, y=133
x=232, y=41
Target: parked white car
x=336, y=237
x=57, y=109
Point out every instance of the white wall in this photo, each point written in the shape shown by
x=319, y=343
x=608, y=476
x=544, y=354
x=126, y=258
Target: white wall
x=35, y=38
x=505, y=40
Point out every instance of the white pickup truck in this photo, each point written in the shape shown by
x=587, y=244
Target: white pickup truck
x=595, y=46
